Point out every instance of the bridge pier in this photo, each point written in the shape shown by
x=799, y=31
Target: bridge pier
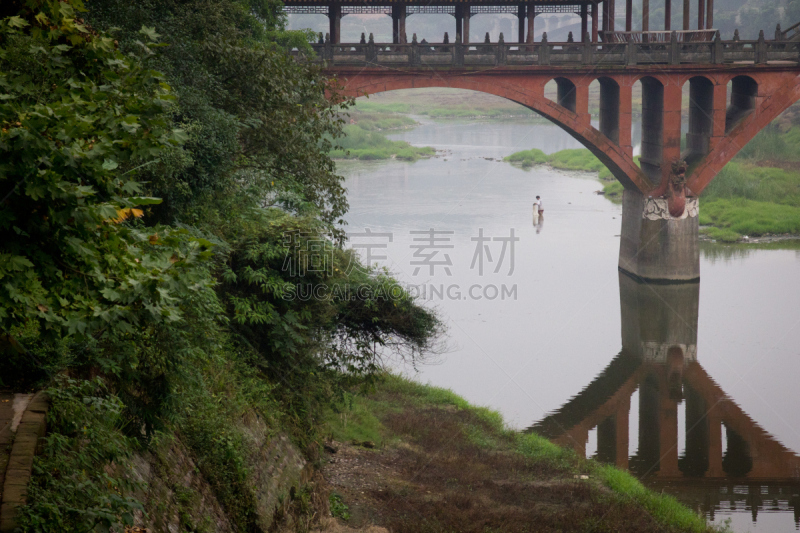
x=655, y=246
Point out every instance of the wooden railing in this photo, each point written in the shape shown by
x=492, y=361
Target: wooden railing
x=672, y=51
x=683, y=36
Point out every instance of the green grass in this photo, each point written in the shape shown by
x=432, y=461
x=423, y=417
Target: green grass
x=360, y=143
x=443, y=103
x=665, y=509
x=363, y=423
x=371, y=121
x=771, y=144
x=367, y=106
x=572, y=159
x=750, y=217
x=764, y=184
x=721, y=234
x=426, y=109
x=479, y=112
x=750, y=196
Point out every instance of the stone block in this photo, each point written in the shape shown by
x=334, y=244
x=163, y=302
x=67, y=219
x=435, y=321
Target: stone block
x=39, y=403
x=15, y=493
x=8, y=517
x=16, y=477
x=22, y=460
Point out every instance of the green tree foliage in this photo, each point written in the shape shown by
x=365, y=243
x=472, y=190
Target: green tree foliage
x=313, y=311
x=148, y=185
x=259, y=122
x=78, y=121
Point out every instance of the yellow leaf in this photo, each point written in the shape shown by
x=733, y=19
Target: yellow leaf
x=153, y=238
x=122, y=214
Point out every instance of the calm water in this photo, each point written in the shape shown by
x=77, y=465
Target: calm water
x=556, y=340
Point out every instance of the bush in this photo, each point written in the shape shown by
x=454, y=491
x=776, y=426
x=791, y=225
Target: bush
x=82, y=481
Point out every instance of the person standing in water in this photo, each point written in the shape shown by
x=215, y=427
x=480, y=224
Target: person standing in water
x=538, y=207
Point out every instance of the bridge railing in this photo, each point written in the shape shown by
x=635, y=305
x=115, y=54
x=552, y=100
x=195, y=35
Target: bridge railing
x=631, y=52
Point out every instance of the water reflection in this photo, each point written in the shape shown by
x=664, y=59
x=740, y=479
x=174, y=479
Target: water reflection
x=729, y=463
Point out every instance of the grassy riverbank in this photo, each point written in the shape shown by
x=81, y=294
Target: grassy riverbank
x=574, y=159
x=418, y=458
x=365, y=138
x=758, y=193
x=443, y=103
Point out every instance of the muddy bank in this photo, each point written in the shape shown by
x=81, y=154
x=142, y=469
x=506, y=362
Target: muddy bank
x=410, y=458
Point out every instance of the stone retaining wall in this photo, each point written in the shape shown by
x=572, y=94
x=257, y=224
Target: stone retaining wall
x=20, y=440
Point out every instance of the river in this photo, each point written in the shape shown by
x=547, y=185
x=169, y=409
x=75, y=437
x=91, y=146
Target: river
x=544, y=329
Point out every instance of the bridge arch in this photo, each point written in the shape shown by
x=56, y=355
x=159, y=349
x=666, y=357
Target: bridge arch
x=528, y=93
x=747, y=114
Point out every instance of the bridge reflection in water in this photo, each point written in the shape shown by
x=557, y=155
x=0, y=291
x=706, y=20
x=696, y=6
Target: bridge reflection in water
x=750, y=471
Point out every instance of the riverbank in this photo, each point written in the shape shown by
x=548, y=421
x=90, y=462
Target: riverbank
x=365, y=139
x=409, y=457
x=443, y=103
x=758, y=193
x=579, y=159
x=751, y=200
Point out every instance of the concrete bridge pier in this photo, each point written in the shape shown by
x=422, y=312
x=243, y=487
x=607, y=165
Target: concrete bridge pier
x=654, y=245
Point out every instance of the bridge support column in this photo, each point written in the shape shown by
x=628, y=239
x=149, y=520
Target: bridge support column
x=335, y=19
x=701, y=14
x=399, y=24
x=686, y=7
x=465, y=24
x=584, y=22
x=719, y=110
x=521, y=23
x=612, y=13
x=629, y=15
x=621, y=419
x=607, y=440
x=668, y=424
x=655, y=246
x=531, y=11
x=714, y=446
x=667, y=15
x=710, y=15
x=459, y=21
x=671, y=136
x=625, y=118
x=582, y=102
x=645, y=15
x=595, y=16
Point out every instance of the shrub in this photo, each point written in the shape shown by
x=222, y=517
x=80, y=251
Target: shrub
x=82, y=481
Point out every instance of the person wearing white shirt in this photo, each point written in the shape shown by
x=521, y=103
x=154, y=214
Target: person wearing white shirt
x=538, y=207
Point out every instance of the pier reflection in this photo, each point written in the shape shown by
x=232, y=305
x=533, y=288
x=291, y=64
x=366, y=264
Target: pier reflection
x=729, y=462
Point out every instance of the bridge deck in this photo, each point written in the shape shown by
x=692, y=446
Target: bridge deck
x=617, y=54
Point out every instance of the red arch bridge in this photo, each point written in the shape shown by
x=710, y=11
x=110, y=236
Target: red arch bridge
x=737, y=87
